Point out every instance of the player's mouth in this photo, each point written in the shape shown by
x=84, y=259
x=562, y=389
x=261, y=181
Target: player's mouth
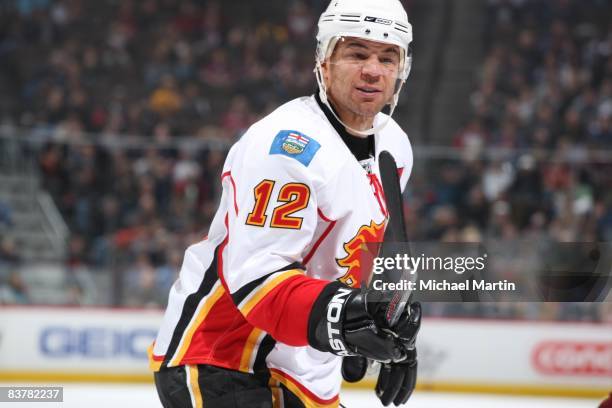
x=367, y=94
x=368, y=90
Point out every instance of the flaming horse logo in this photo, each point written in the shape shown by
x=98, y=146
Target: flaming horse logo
x=361, y=251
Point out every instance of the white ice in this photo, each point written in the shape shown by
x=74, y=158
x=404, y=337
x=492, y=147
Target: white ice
x=144, y=395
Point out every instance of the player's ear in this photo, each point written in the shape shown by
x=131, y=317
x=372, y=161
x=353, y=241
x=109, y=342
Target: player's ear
x=325, y=71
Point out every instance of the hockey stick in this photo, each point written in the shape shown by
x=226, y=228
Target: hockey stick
x=395, y=234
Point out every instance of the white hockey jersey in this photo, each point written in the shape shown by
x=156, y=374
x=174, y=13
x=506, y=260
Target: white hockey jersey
x=295, y=211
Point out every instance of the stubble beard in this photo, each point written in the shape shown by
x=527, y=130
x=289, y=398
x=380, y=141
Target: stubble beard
x=365, y=109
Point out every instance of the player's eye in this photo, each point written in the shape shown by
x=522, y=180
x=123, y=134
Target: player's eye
x=388, y=60
x=359, y=56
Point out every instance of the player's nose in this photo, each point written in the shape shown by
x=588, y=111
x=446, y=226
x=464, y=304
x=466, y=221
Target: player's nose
x=372, y=67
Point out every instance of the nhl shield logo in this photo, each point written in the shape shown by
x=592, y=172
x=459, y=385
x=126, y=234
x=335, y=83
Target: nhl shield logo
x=295, y=143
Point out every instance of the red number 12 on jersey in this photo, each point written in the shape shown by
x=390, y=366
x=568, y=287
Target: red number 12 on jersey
x=295, y=197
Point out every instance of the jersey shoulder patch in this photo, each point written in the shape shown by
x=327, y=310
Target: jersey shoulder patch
x=296, y=145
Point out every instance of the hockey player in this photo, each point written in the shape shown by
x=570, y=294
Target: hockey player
x=268, y=305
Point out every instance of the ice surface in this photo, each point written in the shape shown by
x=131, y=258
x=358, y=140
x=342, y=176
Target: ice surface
x=141, y=396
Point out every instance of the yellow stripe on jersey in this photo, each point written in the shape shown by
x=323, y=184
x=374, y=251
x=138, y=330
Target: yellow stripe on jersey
x=306, y=399
x=153, y=364
x=249, y=349
x=194, y=386
x=259, y=293
x=277, y=393
x=209, y=302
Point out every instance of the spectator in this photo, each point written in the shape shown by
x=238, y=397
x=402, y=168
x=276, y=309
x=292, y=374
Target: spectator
x=166, y=100
x=6, y=217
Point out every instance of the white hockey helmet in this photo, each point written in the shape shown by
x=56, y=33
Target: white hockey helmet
x=383, y=21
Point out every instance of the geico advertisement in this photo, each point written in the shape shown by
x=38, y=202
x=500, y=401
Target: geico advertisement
x=76, y=339
x=94, y=342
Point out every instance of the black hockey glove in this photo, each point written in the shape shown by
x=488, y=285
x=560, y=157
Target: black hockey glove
x=354, y=368
x=339, y=323
x=397, y=380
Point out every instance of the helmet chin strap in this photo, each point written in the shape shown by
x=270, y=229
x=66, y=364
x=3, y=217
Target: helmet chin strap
x=325, y=100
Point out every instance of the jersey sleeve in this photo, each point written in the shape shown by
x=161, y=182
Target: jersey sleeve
x=271, y=223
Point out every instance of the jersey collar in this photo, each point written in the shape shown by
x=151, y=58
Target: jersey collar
x=362, y=148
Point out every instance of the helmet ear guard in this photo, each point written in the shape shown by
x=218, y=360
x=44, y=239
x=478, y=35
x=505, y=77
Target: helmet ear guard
x=382, y=21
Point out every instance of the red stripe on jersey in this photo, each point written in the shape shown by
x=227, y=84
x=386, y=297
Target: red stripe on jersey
x=323, y=216
x=284, y=377
x=378, y=192
x=400, y=171
x=229, y=174
x=221, y=337
x=284, y=311
x=321, y=238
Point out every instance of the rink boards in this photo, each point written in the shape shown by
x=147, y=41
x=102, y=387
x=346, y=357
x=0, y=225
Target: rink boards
x=95, y=344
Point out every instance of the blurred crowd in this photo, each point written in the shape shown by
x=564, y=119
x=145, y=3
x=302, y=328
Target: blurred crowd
x=543, y=107
x=532, y=162
x=162, y=68
x=536, y=151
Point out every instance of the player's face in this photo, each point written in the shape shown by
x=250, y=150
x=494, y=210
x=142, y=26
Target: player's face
x=360, y=77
